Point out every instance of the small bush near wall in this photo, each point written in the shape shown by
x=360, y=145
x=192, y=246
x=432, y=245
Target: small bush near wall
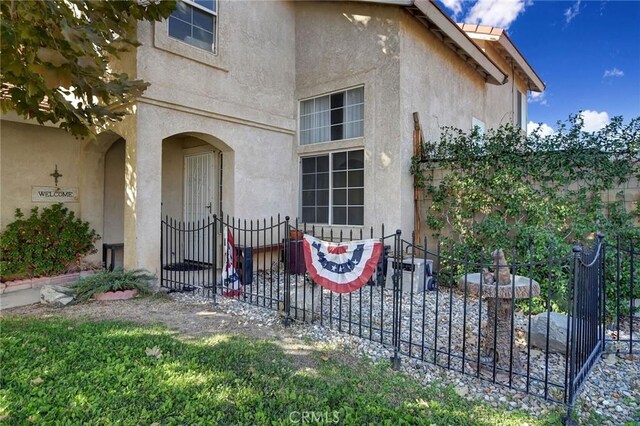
x=47, y=242
x=532, y=195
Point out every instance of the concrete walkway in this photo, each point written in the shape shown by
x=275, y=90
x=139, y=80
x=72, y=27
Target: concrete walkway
x=19, y=298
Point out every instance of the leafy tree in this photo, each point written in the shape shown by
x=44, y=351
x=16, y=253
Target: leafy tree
x=55, y=58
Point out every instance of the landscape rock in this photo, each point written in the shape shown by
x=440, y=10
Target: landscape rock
x=55, y=295
x=304, y=300
x=557, y=332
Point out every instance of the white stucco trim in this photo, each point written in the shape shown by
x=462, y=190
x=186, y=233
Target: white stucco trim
x=331, y=146
x=291, y=130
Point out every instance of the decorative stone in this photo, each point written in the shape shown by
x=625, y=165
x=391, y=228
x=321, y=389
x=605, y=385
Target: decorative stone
x=558, y=332
x=55, y=295
x=302, y=296
x=117, y=295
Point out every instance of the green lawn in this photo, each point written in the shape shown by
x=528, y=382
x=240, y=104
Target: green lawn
x=56, y=371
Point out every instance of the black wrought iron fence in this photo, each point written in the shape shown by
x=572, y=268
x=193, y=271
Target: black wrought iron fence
x=621, y=318
x=585, y=341
x=474, y=317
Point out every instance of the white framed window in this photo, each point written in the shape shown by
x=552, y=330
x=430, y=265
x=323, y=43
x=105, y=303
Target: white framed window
x=332, y=187
x=479, y=124
x=332, y=117
x=194, y=22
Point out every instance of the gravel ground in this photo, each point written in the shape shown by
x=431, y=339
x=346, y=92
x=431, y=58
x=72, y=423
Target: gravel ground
x=611, y=395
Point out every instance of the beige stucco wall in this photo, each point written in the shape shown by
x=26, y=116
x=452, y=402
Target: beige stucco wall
x=239, y=100
x=250, y=77
x=114, y=184
x=445, y=91
x=502, y=101
x=257, y=175
x=341, y=45
x=28, y=155
x=404, y=68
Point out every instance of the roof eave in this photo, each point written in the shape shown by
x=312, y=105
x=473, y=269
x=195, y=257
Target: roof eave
x=431, y=16
x=535, y=82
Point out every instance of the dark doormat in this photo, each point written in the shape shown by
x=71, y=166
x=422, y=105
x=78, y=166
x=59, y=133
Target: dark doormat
x=187, y=266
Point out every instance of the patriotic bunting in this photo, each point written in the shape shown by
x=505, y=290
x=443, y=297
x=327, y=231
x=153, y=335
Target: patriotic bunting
x=343, y=267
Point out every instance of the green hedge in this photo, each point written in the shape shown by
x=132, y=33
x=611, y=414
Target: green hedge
x=45, y=243
x=532, y=196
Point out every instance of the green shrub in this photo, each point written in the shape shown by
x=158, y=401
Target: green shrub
x=116, y=280
x=45, y=243
x=534, y=197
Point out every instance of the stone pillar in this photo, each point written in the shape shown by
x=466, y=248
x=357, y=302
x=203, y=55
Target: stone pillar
x=143, y=195
x=505, y=347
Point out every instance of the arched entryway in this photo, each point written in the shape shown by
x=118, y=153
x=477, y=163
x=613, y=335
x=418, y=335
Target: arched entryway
x=196, y=183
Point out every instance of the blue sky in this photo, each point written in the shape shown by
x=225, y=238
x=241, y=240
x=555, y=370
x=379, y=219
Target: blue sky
x=587, y=53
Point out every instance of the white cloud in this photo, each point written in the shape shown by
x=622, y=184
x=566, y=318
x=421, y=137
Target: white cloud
x=538, y=98
x=543, y=129
x=615, y=72
x=454, y=5
x=594, y=120
x=497, y=13
x=572, y=12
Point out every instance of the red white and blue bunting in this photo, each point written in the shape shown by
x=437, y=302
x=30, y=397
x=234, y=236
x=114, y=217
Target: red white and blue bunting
x=230, y=276
x=343, y=267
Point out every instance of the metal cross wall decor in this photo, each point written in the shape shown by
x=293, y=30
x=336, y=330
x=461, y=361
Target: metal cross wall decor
x=56, y=175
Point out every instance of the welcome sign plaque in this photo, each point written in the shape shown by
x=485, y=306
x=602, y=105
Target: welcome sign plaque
x=53, y=194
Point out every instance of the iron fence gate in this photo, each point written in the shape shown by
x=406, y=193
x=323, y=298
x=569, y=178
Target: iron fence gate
x=586, y=340
x=425, y=304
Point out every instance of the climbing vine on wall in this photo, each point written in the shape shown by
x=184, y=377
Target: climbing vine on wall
x=504, y=189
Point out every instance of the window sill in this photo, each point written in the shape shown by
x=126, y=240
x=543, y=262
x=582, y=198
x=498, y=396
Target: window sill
x=320, y=226
x=322, y=147
x=162, y=41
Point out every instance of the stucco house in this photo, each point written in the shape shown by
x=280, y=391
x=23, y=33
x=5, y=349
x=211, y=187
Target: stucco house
x=258, y=108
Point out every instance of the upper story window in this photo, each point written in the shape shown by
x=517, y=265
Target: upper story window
x=332, y=117
x=194, y=22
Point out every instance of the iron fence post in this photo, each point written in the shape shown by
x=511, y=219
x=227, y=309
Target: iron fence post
x=602, y=296
x=397, y=283
x=286, y=321
x=215, y=253
x=162, y=224
x=632, y=274
x=577, y=252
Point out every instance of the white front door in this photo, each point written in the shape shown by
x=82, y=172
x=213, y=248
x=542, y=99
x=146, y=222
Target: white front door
x=199, y=204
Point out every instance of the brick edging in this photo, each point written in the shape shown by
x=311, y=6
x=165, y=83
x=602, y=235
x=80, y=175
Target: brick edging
x=10, y=286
